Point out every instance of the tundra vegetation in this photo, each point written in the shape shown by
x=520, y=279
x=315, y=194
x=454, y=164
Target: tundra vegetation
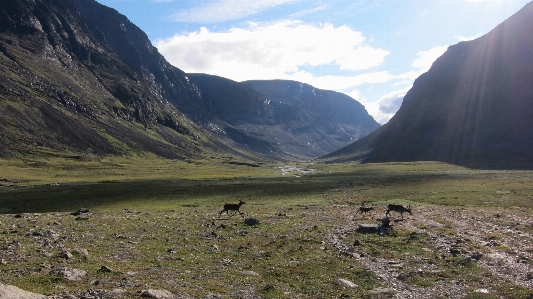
x=154, y=224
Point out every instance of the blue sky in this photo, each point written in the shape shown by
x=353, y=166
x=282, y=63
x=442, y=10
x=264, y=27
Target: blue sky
x=369, y=50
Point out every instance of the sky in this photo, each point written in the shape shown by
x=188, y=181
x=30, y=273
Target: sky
x=370, y=50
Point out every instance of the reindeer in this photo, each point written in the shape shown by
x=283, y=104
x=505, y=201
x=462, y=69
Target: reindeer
x=364, y=210
x=232, y=207
x=398, y=208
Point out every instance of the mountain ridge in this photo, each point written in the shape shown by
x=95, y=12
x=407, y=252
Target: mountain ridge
x=59, y=75
x=77, y=76
x=473, y=107
x=296, y=119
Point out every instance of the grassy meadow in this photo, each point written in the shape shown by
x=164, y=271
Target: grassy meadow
x=155, y=224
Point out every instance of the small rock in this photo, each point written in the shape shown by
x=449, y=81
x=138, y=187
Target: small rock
x=251, y=221
x=69, y=273
x=81, y=211
x=346, y=283
x=482, y=291
x=105, y=269
x=82, y=252
x=157, y=294
x=250, y=273
x=382, y=290
x=477, y=256
x=119, y=292
x=65, y=254
x=51, y=234
x=367, y=229
x=212, y=296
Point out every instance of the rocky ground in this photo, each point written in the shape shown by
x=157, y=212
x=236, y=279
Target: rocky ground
x=438, y=252
x=498, y=241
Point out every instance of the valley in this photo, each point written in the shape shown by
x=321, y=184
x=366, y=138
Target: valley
x=154, y=225
x=115, y=166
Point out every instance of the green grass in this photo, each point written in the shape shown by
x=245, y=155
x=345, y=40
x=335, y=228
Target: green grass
x=156, y=223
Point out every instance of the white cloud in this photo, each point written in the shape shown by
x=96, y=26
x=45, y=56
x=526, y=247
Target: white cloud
x=289, y=50
x=385, y=108
x=426, y=58
x=339, y=83
x=467, y=38
x=273, y=51
x=225, y=10
x=309, y=11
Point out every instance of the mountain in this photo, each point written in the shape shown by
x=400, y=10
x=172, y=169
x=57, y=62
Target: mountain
x=78, y=78
x=474, y=107
x=284, y=118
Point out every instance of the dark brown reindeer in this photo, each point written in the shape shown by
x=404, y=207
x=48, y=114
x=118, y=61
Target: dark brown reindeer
x=398, y=208
x=364, y=210
x=232, y=207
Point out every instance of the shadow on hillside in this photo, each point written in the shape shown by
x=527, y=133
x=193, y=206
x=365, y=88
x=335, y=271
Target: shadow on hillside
x=70, y=197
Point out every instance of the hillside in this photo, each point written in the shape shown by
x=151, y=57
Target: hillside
x=474, y=107
x=79, y=78
x=285, y=118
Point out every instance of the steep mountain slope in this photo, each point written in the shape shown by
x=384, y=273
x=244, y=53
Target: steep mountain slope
x=284, y=118
x=78, y=76
x=474, y=107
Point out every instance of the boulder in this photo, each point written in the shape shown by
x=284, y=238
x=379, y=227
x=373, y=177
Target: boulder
x=346, y=283
x=69, y=273
x=12, y=292
x=251, y=221
x=157, y=294
x=80, y=211
x=368, y=229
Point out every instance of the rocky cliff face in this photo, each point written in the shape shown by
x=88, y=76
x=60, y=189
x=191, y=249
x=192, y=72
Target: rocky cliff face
x=283, y=117
x=474, y=107
x=78, y=76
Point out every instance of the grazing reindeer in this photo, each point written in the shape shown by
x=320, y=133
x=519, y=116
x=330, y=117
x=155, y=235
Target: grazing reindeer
x=364, y=210
x=398, y=208
x=232, y=207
